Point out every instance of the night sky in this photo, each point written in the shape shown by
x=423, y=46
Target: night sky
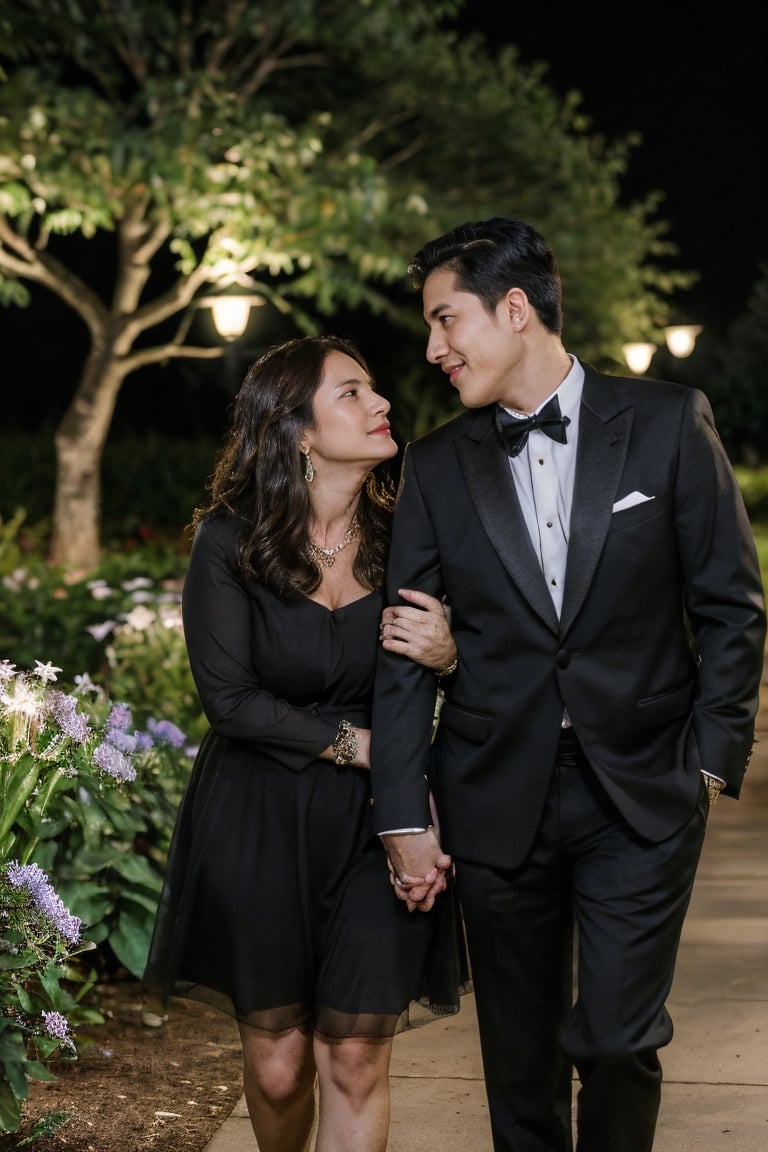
x=695, y=88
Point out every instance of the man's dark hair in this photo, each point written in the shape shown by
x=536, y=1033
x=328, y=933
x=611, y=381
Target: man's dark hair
x=491, y=256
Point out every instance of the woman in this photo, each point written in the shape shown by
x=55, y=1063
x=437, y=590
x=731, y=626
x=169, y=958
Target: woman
x=277, y=904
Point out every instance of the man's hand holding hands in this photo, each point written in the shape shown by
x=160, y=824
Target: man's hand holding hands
x=418, y=867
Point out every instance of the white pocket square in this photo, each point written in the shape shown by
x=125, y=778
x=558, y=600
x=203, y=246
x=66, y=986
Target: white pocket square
x=630, y=501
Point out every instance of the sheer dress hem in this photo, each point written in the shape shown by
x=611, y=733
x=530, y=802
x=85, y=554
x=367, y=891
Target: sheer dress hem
x=329, y=1024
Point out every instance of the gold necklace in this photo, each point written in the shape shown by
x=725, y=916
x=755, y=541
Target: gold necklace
x=328, y=556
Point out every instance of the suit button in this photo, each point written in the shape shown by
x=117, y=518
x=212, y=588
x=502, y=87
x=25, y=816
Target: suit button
x=563, y=658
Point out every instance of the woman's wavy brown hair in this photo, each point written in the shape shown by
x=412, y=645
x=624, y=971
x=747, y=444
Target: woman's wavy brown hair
x=258, y=475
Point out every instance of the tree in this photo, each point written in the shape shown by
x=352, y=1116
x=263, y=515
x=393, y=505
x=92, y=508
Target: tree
x=307, y=145
x=736, y=382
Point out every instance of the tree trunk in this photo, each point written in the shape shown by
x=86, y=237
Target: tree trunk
x=80, y=439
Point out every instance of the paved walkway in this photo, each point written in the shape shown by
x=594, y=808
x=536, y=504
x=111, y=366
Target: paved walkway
x=716, y=1068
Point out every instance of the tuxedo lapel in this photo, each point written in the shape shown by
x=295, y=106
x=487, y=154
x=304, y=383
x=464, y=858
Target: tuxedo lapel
x=604, y=431
x=605, y=424
x=489, y=480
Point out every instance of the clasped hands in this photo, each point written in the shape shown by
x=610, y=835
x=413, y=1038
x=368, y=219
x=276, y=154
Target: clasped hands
x=418, y=868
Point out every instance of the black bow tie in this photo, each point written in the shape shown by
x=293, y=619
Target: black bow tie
x=514, y=432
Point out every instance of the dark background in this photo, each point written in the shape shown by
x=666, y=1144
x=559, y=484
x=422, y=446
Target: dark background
x=694, y=90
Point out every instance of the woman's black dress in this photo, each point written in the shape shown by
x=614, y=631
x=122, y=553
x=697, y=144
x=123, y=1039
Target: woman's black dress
x=277, y=906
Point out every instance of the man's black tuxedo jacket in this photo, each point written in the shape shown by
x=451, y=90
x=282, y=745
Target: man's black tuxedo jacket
x=658, y=653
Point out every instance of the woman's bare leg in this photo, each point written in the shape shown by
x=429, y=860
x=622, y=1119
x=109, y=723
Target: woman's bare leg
x=279, y=1082
x=353, y=1079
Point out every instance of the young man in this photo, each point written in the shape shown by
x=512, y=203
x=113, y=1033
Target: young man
x=606, y=601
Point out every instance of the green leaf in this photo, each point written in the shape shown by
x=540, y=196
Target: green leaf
x=130, y=941
x=10, y=1108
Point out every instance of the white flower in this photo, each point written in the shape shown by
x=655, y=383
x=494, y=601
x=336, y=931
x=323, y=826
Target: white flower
x=20, y=579
x=100, y=631
x=45, y=672
x=136, y=583
x=23, y=698
x=140, y=618
x=142, y=597
x=23, y=705
x=100, y=590
x=84, y=684
x=169, y=616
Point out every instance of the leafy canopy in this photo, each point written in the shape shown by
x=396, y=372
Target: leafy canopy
x=313, y=145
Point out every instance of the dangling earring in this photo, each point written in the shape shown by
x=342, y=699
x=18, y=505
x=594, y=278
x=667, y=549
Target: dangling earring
x=309, y=472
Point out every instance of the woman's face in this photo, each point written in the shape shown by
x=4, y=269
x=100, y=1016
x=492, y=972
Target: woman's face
x=351, y=425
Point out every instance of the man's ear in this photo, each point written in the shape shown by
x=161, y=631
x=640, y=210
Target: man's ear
x=518, y=308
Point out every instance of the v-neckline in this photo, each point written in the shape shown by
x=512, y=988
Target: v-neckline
x=341, y=607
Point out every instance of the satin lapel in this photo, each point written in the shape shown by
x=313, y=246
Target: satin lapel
x=492, y=489
x=600, y=456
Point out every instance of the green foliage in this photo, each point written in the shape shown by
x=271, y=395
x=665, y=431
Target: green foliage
x=753, y=483
x=88, y=621
x=151, y=484
x=104, y=842
x=736, y=385
x=89, y=798
x=306, y=143
x=303, y=147
x=39, y=977
x=60, y=756
x=107, y=851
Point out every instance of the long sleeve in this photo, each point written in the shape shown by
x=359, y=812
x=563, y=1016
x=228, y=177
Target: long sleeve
x=218, y=627
x=724, y=596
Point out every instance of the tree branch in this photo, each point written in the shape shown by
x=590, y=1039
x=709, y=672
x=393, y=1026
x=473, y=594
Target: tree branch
x=145, y=356
x=42, y=268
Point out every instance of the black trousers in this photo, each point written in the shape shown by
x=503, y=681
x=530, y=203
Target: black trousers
x=573, y=954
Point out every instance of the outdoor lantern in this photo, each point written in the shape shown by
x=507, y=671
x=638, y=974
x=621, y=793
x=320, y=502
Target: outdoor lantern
x=681, y=338
x=231, y=308
x=638, y=356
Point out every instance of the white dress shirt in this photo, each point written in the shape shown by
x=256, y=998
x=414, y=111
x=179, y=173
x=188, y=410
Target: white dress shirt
x=543, y=473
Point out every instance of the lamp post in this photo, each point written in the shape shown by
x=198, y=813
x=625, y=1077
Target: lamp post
x=231, y=310
x=679, y=338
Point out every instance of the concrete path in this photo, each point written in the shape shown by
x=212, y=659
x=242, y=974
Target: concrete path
x=715, y=1095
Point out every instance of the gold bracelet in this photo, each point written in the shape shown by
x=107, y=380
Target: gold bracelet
x=714, y=788
x=344, y=746
x=447, y=671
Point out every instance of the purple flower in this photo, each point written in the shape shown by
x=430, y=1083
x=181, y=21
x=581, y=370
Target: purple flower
x=165, y=731
x=111, y=760
x=72, y=722
x=56, y=1025
x=143, y=741
x=32, y=877
x=119, y=719
x=125, y=741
